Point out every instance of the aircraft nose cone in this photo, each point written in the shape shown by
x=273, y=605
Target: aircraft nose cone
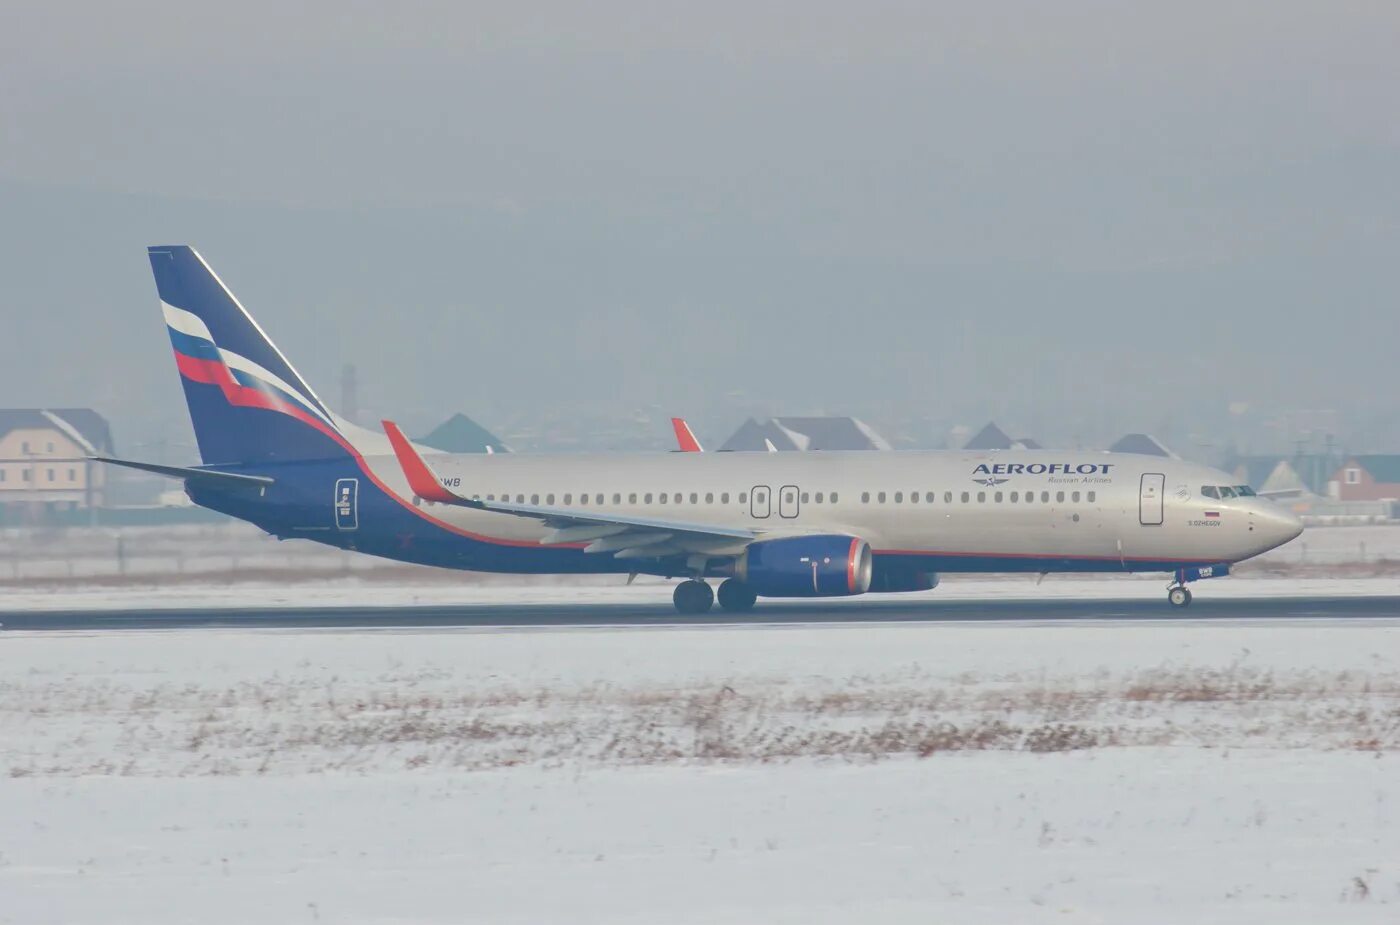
x=1277, y=525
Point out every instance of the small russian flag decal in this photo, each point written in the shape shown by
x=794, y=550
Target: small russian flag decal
x=1212, y=513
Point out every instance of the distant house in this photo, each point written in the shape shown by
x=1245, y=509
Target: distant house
x=805, y=433
x=1259, y=472
x=1367, y=478
x=993, y=437
x=44, y=462
x=460, y=434
x=1142, y=444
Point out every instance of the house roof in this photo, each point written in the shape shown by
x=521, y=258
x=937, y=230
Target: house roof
x=85, y=426
x=1143, y=444
x=1255, y=470
x=806, y=433
x=990, y=437
x=1382, y=467
x=460, y=434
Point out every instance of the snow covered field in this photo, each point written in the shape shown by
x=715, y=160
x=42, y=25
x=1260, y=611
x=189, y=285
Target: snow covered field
x=963, y=772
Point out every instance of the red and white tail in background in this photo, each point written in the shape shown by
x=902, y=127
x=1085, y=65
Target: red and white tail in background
x=685, y=437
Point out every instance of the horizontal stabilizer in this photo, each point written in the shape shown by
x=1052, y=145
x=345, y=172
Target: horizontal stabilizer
x=190, y=474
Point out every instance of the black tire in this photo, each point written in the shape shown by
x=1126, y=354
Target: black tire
x=735, y=596
x=1179, y=597
x=693, y=597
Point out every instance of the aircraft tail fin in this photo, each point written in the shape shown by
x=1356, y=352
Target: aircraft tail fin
x=246, y=401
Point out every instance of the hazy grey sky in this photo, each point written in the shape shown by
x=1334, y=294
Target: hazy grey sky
x=1105, y=212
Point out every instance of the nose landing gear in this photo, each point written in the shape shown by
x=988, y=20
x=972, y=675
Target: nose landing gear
x=1178, y=595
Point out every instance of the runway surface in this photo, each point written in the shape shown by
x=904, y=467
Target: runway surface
x=767, y=613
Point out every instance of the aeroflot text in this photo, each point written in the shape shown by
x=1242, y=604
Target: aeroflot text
x=1043, y=469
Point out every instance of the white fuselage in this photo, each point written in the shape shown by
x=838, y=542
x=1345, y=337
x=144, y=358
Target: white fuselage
x=962, y=510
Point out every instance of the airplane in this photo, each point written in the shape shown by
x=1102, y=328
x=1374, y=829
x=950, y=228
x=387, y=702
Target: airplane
x=767, y=525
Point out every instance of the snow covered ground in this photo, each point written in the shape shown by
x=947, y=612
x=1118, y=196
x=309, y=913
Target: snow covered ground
x=1145, y=772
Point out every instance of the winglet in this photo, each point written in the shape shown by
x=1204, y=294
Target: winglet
x=685, y=437
x=420, y=478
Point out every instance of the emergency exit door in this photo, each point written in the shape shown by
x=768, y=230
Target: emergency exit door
x=1150, y=499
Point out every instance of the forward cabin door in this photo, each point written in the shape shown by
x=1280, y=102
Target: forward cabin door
x=1150, y=498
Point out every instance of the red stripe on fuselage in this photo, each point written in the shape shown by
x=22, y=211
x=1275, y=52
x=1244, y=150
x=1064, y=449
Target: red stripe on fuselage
x=213, y=372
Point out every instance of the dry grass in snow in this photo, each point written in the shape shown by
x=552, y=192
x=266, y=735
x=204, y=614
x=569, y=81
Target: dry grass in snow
x=419, y=719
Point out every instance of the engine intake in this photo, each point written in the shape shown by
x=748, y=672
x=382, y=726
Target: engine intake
x=807, y=566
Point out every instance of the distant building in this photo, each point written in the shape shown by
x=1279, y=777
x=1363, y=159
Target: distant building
x=460, y=434
x=1142, y=444
x=44, y=463
x=993, y=437
x=805, y=433
x=1367, y=478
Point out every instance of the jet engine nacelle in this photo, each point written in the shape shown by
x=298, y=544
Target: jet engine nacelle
x=807, y=566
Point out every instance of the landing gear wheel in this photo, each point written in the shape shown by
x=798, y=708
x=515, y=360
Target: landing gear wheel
x=735, y=596
x=693, y=597
x=1179, y=597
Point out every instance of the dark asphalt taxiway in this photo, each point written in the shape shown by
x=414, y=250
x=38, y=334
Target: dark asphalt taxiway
x=644, y=615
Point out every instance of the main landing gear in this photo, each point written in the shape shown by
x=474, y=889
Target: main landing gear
x=695, y=596
x=1178, y=595
x=735, y=596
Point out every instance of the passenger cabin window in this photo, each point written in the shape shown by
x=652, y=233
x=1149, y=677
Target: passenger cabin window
x=632, y=497
x=743, y=497
x=819, y=497
x=1045, y=497
x=965, y=497
x=981, y=497
x=865, y=497
x=694, y=498
x=1074, y=497
x=647, y=498
x=534, y=499
x=1060, y=497
x=549, y=499
x=898, y=497
x=724, y=497
x=997, y=497
x=617, y=498
x=947, y=497
x=1015, y=497
x=833, y=497
x=881, y=497
x=1092, y=496
x=709, y=497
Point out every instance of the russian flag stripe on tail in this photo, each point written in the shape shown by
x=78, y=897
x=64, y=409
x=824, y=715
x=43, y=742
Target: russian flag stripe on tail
x=246, y=401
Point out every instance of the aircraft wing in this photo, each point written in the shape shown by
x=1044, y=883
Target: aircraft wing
x=622, y=535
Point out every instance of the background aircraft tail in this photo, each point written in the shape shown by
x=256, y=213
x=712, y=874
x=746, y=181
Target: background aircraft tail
x=246, y=402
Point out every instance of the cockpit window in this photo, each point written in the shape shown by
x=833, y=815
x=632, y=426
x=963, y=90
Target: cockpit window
x=1244, y=491
x=1226, y=491
x=1210, y=491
